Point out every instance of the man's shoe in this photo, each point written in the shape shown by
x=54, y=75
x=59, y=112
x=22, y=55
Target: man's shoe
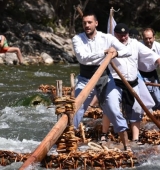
x=137, y=142
x=127, y=148
x=104, y=137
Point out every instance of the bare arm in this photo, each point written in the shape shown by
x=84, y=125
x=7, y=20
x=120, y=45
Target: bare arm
x=2, y=38
x=158, y=62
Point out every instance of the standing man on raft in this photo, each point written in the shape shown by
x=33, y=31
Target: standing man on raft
x=91, y=47
x=151, y=74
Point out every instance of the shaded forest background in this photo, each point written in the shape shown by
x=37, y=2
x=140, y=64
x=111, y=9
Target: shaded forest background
x=47, y=26
x=135, y=13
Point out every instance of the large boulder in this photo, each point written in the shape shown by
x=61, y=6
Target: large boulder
x=11, y=58
x=48, y=60
x=38, y=11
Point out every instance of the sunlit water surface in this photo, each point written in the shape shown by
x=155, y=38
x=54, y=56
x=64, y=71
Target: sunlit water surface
x=23, y=128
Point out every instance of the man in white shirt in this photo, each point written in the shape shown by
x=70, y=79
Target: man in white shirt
x=90, y=49
x=129, y=69
x=150, y=74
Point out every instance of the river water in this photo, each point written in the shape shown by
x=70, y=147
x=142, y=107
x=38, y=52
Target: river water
x=22, y=128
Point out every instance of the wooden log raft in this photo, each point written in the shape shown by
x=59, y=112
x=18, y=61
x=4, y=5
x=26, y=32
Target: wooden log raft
x=41, y=151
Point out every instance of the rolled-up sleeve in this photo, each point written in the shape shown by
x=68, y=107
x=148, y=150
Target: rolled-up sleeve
x=147, y=58
x=91, y=52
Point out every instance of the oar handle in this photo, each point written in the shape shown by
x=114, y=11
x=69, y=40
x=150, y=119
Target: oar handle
x=92, y=82
x=152, y=84
x=41, y=151
x=135, y=95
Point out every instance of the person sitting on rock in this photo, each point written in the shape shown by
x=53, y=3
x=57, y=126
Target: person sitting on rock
x=5, y=48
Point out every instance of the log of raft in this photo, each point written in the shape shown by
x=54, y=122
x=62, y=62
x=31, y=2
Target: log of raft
x=41, y=151
x=95, y=156
x=74, y=160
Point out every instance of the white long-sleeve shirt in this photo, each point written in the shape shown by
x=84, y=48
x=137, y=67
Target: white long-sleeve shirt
x=150, y=66
x=142, y=58
x=91, y=51
x=156, y=47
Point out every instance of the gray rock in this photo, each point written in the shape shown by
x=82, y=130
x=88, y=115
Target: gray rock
x=47, y=58
x=10, y=59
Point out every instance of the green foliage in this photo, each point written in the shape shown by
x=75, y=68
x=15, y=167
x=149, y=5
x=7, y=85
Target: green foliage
x=19, y=13
x=133, y=13
x=49, y=23
x=157, y=36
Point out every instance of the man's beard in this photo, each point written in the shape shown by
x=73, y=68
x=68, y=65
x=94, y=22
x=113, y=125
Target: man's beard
x=149, y=45
x=124, y=42
x=90, y=33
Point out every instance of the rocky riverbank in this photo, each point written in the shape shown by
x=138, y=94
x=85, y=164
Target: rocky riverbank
x=31, y=27
x=40, y=45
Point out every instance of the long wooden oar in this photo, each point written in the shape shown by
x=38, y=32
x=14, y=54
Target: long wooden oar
x=136, y=96
x=93, y=81
x=46, y=144
x=152, y=84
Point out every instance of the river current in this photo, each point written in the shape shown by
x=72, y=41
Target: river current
x=22, y=128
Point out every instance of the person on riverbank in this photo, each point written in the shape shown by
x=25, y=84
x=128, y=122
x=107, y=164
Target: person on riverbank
x=129, y=69
x=5, y=48
x=151, y=75
x=91, y=48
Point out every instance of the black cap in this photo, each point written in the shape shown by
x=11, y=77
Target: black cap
x=133, y=31
x=121, y=28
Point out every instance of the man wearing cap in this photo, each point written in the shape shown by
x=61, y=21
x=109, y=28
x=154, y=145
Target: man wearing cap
x=129, y=69
x=149, y=72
